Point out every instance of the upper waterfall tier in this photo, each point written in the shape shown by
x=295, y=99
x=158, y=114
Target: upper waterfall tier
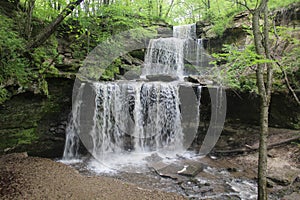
x=166, y=56
x=185, y=31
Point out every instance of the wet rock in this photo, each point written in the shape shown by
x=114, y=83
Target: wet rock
x=64, y=123
x=131, y=75
x=191, y=170
x=166, y=170
x=161, y=77
x=205, y=189
x=130, y=60
x=199, y=79
x=164, y=32
x=60, y=131
x=52, y=130
x=232, y=169
x=154, y=158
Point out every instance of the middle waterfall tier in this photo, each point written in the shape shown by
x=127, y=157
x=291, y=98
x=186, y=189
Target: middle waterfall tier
x=130, y=116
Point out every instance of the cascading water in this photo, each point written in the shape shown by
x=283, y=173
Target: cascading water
x=187, y=31
x=134, y=118
x=165, y=56
x=129, y=124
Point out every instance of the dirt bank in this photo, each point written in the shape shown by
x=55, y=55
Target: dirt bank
x=23, y=177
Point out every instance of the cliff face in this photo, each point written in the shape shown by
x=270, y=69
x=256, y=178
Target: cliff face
x=36, y=124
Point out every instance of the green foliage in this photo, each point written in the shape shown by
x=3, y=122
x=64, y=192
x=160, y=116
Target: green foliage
x=12, y=66
x=20, y=71
x=111, y=70
x=289, y=61
x=3, y=95
x=239, y=68
x=17, y=137
x=26, y=136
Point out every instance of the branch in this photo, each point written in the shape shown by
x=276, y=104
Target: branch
x=51, y=28
x=245, y=5
x=249, y=149
x=287, y=81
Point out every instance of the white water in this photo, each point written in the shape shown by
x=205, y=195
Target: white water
x=147, y=112
x=167, y=56
x=127, y=125
x=128, y=121
x=187, y=31
x=72, y=136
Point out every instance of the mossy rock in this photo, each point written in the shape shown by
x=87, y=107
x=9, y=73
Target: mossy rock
x=27, y=119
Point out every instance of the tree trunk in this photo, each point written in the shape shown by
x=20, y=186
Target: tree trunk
x=106, y=2
x=261, y=40
x=29, y=11
x=169, y=9
x=50, y=29
x=263, y=152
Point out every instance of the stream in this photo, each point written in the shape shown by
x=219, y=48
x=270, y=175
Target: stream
x=203, y=177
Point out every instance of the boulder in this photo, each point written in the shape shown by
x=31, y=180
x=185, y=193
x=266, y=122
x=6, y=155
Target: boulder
x=191, y=170
x=281, y=172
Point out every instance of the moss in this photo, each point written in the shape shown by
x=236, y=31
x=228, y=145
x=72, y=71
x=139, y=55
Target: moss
x=16, y=137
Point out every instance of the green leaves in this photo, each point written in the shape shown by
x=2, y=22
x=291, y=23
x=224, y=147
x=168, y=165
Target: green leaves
x=240, y=65
x=12, y=66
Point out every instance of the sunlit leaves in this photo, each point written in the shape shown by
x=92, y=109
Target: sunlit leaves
x=240, y=65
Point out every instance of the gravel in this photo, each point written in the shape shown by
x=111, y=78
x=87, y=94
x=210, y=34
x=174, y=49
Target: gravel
x=23, y=177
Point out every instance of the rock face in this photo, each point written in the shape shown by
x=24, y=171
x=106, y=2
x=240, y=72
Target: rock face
x=243, y=107
x=199, y=79
x=177, y=171
x=236, y=34
x=37, y=124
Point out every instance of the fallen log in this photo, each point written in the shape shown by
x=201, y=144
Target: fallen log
x=248, y=149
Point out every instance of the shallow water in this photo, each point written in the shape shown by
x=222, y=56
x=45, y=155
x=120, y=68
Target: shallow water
x=213, y=182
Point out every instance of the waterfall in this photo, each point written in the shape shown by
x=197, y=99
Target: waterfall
x=199, y=57
x=147, y=112
x=127, y=117
x=72, y=130
x=187, y=31
x=164, y=56
x=167, y=56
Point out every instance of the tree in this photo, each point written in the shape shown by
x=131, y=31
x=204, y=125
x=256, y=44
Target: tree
x=50, y=29
x=264, y=85
x=28, y=24
x=264, y=76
